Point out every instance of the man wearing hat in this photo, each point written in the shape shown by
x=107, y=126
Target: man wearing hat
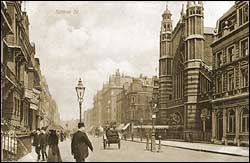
x=80, y=144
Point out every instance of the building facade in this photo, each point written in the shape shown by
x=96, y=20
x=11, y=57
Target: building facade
x=230, y=116
x=21, y=77
x=185, y=76
x=138, y=98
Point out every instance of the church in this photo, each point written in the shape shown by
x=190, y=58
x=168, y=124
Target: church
x=185, y=74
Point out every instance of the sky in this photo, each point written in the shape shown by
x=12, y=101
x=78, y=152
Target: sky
x=92, y=39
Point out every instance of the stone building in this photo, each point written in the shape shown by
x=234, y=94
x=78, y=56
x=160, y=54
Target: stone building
x=185, y=77
x=109, y=96
x=21, y=76
x=139, y=95
x=230, y=116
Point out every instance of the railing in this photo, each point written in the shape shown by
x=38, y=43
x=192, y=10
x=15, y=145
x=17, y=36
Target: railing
x=9, y=147
x=14, y=147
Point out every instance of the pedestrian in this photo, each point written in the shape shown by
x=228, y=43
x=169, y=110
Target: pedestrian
x=80, y=144
x=36, y=143
x=43, y=144
x=61, y=136
x=54, y=152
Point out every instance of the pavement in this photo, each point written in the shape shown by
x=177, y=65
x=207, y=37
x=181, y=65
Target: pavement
x=135, y=152
x=213, y=148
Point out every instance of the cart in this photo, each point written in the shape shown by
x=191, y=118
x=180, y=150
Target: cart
x=111, y=137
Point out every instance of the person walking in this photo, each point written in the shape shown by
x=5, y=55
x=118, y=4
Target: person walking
x=80, y=144
x=36, y=143
x=54, y=152
x=43, y=144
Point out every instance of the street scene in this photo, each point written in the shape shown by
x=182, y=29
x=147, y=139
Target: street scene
x=143, y=81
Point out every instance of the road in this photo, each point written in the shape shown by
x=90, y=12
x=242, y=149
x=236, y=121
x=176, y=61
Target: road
x=135, y=152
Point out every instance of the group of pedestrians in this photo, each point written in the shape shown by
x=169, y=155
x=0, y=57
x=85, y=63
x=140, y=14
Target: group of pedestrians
x=41, y=140
x=79, y=145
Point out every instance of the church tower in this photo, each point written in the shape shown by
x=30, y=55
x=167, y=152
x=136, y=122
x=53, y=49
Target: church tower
x=165, y=61
x=194, y=54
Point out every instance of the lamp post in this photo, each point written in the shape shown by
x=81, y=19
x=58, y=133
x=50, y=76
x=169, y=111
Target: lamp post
x=153, y=144
x=80, y=89
x=141, y=120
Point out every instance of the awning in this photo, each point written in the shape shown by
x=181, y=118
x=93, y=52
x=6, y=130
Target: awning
x=150, y=126
x=120, y=127
x=126, y=126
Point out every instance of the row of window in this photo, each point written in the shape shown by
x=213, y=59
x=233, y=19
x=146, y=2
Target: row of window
x=231, y=22
x=230, y=55
x=228, y=82
x=244, y=121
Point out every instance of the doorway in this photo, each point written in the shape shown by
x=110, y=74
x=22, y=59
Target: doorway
x=219, y=126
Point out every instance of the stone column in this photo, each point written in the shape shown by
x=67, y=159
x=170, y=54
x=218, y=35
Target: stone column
x=225, y=126
x=214, y=124
x=237, y=129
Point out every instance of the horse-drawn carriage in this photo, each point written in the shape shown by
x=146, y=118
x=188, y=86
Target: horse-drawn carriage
x=111, y=136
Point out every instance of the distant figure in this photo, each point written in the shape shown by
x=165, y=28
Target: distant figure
x=61, y=136
x=36, y=143
x=43, y=144
x=54, y=152
x=80, y=144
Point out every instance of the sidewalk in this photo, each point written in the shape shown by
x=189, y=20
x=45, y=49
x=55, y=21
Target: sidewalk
x=30, y=157
x=214, y=148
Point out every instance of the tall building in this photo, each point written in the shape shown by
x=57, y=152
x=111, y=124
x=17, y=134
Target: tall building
x=21, y=76
x=230, y=116
x=185, y=66
x=138, y=97
x=109, y=95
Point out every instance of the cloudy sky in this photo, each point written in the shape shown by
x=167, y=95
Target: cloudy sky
x=93, y=39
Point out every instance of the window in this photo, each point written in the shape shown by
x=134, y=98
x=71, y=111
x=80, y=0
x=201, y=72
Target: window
x=133, y=100
x=165, y=27
x=231, y=121
x=243, y=14
x=244, y=75
x=169, y=67
x=230, y=80
x=219, y=85
x=219, y=59
x=163, y=67
x=244, y=47
x=245, y=120
x=230, y=53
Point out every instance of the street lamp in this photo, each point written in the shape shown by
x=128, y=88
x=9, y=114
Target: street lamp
x=153, y=144
x=141, y=120
x=80, y=89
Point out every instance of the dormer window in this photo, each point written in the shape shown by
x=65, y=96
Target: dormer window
x=243, y=15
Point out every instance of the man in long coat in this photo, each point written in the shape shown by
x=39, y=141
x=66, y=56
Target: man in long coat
x=80, y=144
x=43, y=143
x=36, y=143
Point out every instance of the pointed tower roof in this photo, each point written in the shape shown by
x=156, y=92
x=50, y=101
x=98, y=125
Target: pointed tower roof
x=167, y=11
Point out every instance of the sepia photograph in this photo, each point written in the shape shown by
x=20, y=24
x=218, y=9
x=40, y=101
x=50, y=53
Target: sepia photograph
x=124, y=81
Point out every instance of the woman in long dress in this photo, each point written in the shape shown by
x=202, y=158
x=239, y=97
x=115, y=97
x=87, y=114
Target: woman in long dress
x=54, y=152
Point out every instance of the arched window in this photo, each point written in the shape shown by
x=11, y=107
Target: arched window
x=244, y=118
x=231, y=121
